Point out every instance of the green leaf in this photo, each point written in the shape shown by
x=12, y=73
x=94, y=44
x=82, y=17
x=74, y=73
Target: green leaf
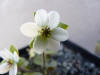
x=52, y=64
x=3, y=62
x=49, y=52
x=22, y=62
x=97, y=51
x=38, y=60
x=14, y=49
x=34, y=13
x=62, y=25
x=31, y=44
x=33, y=73
x=19, y=73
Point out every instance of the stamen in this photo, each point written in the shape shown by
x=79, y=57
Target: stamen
x=46, y=32
x=10, y=62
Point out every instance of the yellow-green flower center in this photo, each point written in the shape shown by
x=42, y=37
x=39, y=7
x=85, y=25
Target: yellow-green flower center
x=10, y=62
x=45, y=32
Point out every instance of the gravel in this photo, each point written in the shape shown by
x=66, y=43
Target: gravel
x=73, y=63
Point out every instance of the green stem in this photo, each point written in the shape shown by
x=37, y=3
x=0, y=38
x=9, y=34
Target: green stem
x=44, y=64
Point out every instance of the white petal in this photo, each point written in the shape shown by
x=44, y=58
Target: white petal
x=40, y=45
x=53, y=44
x=29, y=29
x=6, y=54
x=13, y=70
x=16, y=57
x=4, y=68
x=41, y=17
x=60, y=34
x=54, y=19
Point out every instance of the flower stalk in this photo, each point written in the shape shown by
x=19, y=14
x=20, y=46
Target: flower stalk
x=44, y=64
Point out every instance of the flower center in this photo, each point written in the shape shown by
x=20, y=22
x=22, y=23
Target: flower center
x=45, y=32
x=10, y=62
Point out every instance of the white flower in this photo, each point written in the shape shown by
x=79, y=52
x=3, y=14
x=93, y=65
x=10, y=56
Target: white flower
x=10, y=62
x=45, y=31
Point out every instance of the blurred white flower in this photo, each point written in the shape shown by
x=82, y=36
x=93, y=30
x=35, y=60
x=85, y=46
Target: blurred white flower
x=31, y=53
x=9, y=63
x=45, y=31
